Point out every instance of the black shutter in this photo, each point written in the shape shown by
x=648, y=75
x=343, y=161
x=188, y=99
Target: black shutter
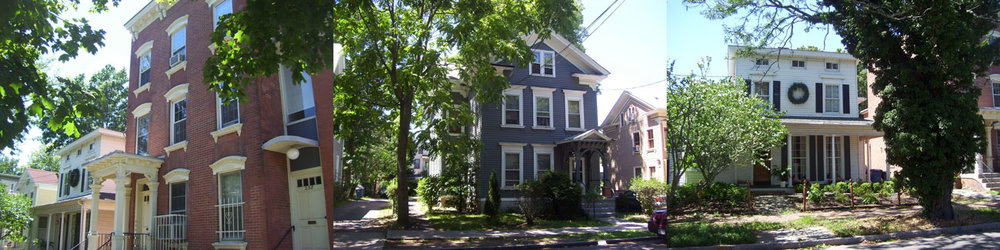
x=812, y=157
x=819, y=97
x=844, y=98
x=784, y=156
x=776, y=96
x=749, y=90
x=847, y=156
x=821, y=157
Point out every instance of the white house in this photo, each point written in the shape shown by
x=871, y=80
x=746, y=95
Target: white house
x=817, y=91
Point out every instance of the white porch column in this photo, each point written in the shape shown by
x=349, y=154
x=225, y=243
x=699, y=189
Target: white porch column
x=833, y=152
x=62, y=230
x=95, y=210
x=48, y=230
x=82, y=231
x=791, y=171
x=121, y=209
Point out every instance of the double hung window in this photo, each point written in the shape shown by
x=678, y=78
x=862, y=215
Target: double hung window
x=231, y=206
x=179, y=121
x=544, y=64
x=831, y=98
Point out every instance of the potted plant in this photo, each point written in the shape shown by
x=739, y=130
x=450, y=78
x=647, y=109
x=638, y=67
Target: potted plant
x=781, y=174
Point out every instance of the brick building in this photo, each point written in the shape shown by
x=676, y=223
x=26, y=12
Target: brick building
x=200, y=173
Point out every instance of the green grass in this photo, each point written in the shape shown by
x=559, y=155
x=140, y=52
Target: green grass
x=985, y=212
x=635, y=217
x=458, y=221
x=708, y=234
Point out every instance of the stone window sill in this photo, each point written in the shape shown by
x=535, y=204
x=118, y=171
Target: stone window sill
x=182, y=65
x=140, y=89
x=575, y=129
x=176, y=146
x=230, y=245
x=510, y=126
x=543, y=128
x=238, y=128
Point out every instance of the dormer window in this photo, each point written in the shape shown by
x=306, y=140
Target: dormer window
x=798, y=64
x=832, y=66
x=544, y=64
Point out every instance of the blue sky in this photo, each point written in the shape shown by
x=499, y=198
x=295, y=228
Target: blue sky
x=632, y=43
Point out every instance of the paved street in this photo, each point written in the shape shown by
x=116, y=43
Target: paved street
x=357, y=210
x=984, y=240
x=353, y=227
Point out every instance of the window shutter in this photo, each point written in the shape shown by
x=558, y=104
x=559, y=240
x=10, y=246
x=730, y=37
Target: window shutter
x=819, y=97
x=821, y=157
x=776, y=95
x=847, y=155
x=749, y=86
x=845, y=100
x=784, y=155
x=812, y=158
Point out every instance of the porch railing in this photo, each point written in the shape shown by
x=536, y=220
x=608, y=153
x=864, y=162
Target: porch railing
x=131, y=241
x=171, y=231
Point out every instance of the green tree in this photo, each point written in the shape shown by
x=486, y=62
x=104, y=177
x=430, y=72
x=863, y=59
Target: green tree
x=400, y=54
x=105, y=91
x=8, y=165
x=43, y=159
x=492, y=207
x=925, y=56
x=32, y=29
x=713, y=125
x=15, y=215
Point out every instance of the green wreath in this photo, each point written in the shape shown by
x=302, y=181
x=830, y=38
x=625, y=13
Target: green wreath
x=74, y=177
x=795, y=88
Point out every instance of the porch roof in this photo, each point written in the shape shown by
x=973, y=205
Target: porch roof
x=119, y=164
x=589, y=135
x=819, y=126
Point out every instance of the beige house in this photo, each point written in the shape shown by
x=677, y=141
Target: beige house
x=638, y=147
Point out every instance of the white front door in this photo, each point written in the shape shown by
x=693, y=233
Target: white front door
x=143, y=212
x=308, y=209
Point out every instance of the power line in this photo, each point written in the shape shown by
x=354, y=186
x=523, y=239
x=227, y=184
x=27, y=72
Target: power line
x=586, y=31
x=605, y=19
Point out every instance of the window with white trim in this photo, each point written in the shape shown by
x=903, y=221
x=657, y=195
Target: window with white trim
x=144, y=72
x=512, y=107
x=297, y=98
x=178, y=195
x=831, y=98
x=512, y=165
x=142, y=135
x=543, y=107
x=798, y=64
x=178, y=121
x=544, y=64
x=229, y=113
x=637, y=172
x=761, y=62
x=231, y=206
x=762, y=90
x=996, y=94
x=178, y=42
x=799, y=157
x=833, y=66
x=833, y=160
x=574, y=109
x=222, y=8
x=543, y=160
x=636, y=142
x=649, y=138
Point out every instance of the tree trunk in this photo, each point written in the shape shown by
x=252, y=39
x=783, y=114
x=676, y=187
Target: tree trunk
x=402, y=179
x=942, y=208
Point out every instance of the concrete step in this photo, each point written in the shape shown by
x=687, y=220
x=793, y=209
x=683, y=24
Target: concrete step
x=989, y=175
x=991, y=185
x=991, y=180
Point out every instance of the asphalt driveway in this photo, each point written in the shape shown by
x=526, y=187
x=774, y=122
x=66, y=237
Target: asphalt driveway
x=356, y=210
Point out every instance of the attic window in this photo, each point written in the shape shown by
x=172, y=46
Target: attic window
x=544, y=64
x=761, y=62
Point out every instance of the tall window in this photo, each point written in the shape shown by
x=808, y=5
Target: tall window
x=833, y=160
x=144, y=72
x=142, y=135
x=222, y=8
x=298, y=98
x=179, y=121
x=231, y=206
x=229, y=113
x=574, y=114
x=512, y=109
x=649, y=138
x=178, y=194
x=543, y=111
x=831, y=98
x=636, y=142
x=799, y=157
x=763, y=90
x=544, y=64
x=511, y=169
x=996, y=94
x=638, y=172
x=177, y=46
x=543, y=160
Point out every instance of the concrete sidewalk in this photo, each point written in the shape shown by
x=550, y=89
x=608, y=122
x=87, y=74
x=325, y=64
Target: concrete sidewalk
x=619, y=225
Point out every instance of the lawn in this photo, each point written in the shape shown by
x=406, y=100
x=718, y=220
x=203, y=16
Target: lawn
x=708, y=234
x=518, y=241
x=448, y=220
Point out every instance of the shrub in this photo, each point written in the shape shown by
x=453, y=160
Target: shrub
x=430, y=189
x=841, y=188
x=492, y=206
x=869, y=198
x=864, y=188
x=815, y=193
x=390, y=193
x=562, y=195
x=889, y=188
x=531, y=201
x=685, y=195
x=343, y=191
x=646, y=192
x=798, y=188
x=627, y=203
x=842, y=198
x=729, y=194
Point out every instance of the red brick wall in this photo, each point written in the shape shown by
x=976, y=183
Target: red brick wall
x=265, y=177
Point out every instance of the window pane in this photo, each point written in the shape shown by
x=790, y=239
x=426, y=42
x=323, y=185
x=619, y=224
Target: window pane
x=511, y=102
x=144, y=62
x=544, y=162
x=831, y=91
x=177, y=197
x=178, y=39
x=542, y=104
x=512, y=109
x=180, y=121
x=832, y=106
x=574, y=114
x=223, y=8
x=142, y=135
x=229, y=113
x=298, y=98
x=512, y=169
x=232, y=189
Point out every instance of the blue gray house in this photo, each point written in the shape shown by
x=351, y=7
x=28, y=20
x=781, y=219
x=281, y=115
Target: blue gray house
x=547, y=120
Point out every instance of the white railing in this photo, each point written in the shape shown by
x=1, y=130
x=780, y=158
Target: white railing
x=171, y=227
x=231, y=221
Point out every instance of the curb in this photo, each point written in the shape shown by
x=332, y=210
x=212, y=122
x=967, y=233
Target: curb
x=570, y=244
x=859, y=239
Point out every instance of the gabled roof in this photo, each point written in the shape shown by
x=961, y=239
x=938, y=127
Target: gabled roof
x=42, y=176
x=589, y=135
x=88, y=137
x=573, y=54
x=620, y=105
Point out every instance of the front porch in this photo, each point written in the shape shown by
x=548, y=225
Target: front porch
x=586, y=160
x=126, y=170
